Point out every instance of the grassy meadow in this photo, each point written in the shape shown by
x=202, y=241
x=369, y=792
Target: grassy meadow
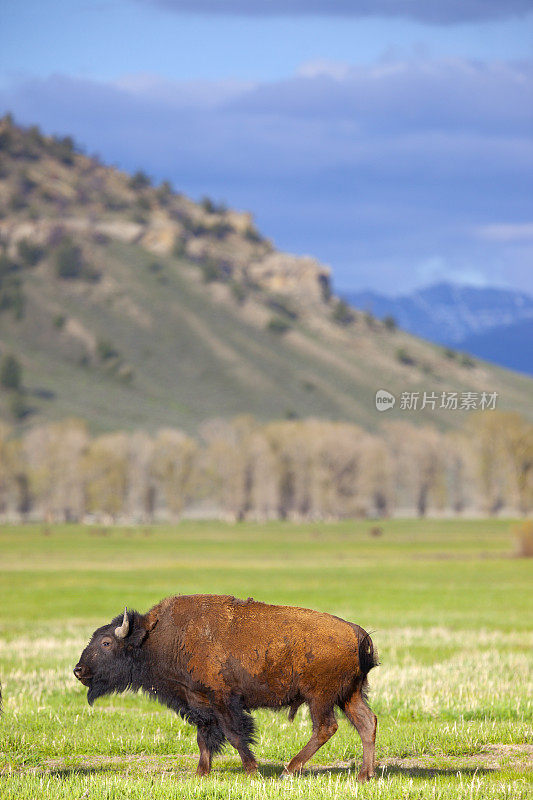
x=450, y=611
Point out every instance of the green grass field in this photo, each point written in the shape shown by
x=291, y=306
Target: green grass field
x=449, y=607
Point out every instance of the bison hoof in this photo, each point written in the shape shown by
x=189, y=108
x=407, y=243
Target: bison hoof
x=365, y=775
x=286, y=775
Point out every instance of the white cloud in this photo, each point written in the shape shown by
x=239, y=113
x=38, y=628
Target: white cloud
x=506, y=232
x=333, y=69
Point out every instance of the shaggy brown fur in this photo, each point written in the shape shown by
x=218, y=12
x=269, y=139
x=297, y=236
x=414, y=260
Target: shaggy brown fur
x=214, y=658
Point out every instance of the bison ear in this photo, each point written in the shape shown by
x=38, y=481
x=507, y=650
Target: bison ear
x=141, y=629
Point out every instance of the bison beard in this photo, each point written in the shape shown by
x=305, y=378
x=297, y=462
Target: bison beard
x=212, y=659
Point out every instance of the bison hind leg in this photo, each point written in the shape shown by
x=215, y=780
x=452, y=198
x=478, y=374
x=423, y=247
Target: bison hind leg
x=324, y=727
x=365, y=722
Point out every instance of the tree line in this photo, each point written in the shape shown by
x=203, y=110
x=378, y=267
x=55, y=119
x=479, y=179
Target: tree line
x=244, y=469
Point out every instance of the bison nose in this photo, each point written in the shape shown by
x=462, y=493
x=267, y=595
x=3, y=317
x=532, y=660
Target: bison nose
x=78, y=672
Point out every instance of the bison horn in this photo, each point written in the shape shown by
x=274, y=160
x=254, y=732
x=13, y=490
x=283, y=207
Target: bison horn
x=122, y=631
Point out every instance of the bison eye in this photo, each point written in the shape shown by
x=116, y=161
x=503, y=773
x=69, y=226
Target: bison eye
x=106, y=643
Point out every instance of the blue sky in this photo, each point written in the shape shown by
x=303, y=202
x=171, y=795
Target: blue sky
x=391, y=139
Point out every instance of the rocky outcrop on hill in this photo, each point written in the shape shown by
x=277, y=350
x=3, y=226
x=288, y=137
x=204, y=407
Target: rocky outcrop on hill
x=45, y=182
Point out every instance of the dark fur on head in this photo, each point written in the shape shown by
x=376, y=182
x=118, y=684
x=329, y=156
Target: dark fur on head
x=117, y=667
x=125, y=666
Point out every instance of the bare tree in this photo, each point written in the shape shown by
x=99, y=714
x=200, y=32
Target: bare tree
x=175, y=468
x=106, y=474
x=419, y=464
x=54, y=455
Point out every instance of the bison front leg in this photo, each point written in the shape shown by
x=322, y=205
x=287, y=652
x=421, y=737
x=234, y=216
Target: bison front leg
x=210, y=740
x=204, y=764
x=324, y=726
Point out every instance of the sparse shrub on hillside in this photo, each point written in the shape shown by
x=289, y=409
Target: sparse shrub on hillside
x=449, y=353
x=106, y=350
x=207, y=205
x=178, y=249
x=11, y=291
x=251, y=234
x=390, y=323
x=18, y=408
x=63, y=149
x=370, y=320
x=404, y=357
x=210, y=207
x=195, y=228
x=29, y=252
x=156, y=267
x=17, y=201
x=238, y=291
x=466, y=361
x=55, y=236
x=139, y=180
x=112, y=202
x=71, y=265
x=342, y=313
x=212, y=270
x=6, y=139
x=278, y=325
x=10, y=373
x=25, y=184
x=69, y=260
x=325, y=287
x=98, y=237
x=7, y=265
x=138, y=216
x=281, y=306
x=143, y=203
x=220, y=229
x=46, y=195
x=59, y=321
x=164, y=192
x=34, y=136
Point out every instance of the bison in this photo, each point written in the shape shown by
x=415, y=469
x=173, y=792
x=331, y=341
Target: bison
x=214, y=658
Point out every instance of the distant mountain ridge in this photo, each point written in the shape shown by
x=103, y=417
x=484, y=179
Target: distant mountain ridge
x=490, y=322
x=508, y=345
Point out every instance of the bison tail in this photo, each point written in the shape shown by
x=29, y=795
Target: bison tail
x=368, y=657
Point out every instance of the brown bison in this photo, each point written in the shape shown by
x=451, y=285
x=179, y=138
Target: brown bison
x=213, y=659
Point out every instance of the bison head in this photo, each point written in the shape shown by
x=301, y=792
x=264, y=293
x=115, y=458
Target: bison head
x=111, y=661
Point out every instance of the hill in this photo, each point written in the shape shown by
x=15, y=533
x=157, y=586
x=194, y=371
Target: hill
x=132, y=306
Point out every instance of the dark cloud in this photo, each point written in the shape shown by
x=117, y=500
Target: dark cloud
x=428, y=11
x=384, y=171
